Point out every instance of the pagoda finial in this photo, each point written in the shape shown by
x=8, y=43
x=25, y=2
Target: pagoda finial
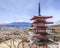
x=39, y=9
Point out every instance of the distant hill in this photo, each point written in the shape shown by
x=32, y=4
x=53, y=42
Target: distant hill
x=18, y=24
x=58, y=25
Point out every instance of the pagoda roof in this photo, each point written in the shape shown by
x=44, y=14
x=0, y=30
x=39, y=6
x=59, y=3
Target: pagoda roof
x=44, y=42
x=45, y=17
x=43, y=35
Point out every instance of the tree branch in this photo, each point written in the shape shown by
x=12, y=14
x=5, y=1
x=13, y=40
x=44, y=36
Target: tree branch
x=19, y=44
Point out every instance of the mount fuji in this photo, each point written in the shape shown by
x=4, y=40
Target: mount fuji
x=18, y=24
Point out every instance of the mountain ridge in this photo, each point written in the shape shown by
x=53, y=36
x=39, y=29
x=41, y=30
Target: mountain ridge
x=18, y=24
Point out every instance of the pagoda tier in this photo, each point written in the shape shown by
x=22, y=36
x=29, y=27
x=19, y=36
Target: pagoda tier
x=41, y=17
x=48, y=35
x=41, y=36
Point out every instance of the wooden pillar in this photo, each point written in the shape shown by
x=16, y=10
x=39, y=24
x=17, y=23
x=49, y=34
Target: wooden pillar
x=46, y=46
x=43, y=46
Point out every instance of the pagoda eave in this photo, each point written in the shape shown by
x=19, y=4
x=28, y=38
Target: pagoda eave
x=37, y=17
x=44, y=42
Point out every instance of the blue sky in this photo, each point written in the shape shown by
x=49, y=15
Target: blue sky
x=24, y=10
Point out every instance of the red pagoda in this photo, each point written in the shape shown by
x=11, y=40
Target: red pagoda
x=39, y=35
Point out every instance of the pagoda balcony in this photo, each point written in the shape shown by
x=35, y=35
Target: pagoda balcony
x=40, y=20
x=42, y=23
x=41, y=37
x=39, y=31
x=41, y=28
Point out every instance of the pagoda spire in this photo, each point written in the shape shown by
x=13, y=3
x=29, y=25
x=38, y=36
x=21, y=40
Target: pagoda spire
x=39, y=11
